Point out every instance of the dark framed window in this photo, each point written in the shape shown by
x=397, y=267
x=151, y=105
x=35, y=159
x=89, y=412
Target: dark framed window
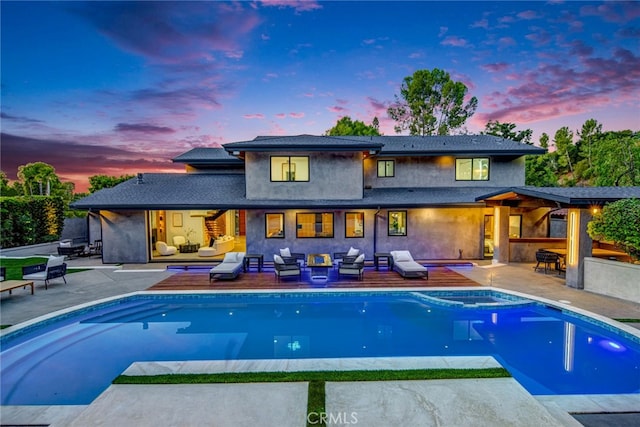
x=354, y=224
x=386, y=168
x=274, y=225
x=472, y=169
x=289, y=168
x=397, y=223
x=314, y=225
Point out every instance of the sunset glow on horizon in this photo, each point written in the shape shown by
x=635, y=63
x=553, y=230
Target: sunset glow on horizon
x=118, y=88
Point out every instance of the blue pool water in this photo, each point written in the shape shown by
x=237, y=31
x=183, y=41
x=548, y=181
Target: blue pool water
x=73, y=358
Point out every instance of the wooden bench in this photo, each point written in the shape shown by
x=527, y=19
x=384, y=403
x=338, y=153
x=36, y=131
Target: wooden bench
x=9, y=285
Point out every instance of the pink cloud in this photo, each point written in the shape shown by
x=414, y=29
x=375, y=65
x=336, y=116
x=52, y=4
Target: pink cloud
x=337, y=109
x=296, y=115
x=258, y=116
x=504, y=42
x=482, y=23
x=528, y=15
x=454, y=41
x=281, y=116
x=552, y=91
x=297, y=5
x=617, y=12
x=497, y=67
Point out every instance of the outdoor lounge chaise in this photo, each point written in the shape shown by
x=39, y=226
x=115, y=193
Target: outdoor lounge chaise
x=286, y=267
x=404, y=264
x=352, y=266
x=55, y=267
x=229, y=268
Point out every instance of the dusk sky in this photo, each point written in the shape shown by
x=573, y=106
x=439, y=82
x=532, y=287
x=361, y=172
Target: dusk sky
x=123, y=87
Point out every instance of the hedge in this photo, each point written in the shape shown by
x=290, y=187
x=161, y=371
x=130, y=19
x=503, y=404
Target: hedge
x=30, y=220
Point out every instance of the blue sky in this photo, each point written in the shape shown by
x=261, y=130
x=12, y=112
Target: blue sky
x=122, y=87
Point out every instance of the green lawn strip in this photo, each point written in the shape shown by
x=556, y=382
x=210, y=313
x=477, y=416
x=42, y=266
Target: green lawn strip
x=258, y=377
x=627, y=320
x=4, y=326
x=316, y=404
x=14, y=266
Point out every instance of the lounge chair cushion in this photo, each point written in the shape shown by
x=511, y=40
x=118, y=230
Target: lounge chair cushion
x=399, y=256
x=55, y=261
x=285, y=252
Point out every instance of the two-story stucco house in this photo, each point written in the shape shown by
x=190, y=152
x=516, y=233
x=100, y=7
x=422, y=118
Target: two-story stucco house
x=321, y=194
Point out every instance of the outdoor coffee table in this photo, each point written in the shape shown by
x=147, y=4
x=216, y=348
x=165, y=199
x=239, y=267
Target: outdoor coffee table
x=9, y=285
x=319, y=265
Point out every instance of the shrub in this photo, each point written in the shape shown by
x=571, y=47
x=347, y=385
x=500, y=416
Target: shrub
x=619, y=222
x=30, y=220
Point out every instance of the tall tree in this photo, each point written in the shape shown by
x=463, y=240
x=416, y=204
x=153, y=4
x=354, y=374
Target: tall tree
x=346, y=126
x=98, y=182
x=617, y=159
x=39, y=178
x=591, y=131
x=563, y=141
x=431, y=103
x=507, y=131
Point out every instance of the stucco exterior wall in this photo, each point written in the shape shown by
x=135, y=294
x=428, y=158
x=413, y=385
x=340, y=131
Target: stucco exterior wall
x=332, y=176
x=612, y=278
x=124, y=237
x=431, y=234
x=441, y=172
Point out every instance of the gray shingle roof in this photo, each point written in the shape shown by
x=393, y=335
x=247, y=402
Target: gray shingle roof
x=578, y=196
x=208, y=191
x=451, y=144
x=392, y=145
x=303, y=142
x=208, y=155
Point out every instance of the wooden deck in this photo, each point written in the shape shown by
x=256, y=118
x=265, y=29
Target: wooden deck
x=190, y=280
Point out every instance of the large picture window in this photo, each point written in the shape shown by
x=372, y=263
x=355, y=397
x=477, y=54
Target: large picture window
x=274, y=225
x=289, y=168
x=472, y=169
x=314, y=225
x=397, y=223
x=354, y=224
x=386, y=168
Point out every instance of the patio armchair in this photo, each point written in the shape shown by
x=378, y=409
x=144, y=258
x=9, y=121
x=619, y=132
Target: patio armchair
x=286, y=267
x=54, y=267
x=546, y=258
x=352, y=266
x=288, y=256
x=352, y=253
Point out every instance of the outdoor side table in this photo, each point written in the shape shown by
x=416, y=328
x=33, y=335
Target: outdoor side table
x=257, y=257
x=382, y=255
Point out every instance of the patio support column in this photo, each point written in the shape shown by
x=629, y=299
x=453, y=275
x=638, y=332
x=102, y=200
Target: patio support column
x=579, y=246
x=501, y=234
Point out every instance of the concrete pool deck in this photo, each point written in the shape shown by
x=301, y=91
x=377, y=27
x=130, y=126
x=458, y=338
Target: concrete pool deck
x=446, y=402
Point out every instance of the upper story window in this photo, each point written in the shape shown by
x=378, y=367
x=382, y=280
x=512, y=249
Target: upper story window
x=476, y=169
x=289, y=168
x=386, y=168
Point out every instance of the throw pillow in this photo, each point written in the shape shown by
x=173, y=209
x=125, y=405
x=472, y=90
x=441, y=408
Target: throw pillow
x=278, y=259
x=285, y=252
x=55, y=261
x=230, y=257
x=66, y=244
x=403, y=256
x=359, y=259
x=353, y=252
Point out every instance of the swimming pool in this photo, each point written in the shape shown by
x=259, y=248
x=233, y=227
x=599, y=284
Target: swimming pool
x=70, y=359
